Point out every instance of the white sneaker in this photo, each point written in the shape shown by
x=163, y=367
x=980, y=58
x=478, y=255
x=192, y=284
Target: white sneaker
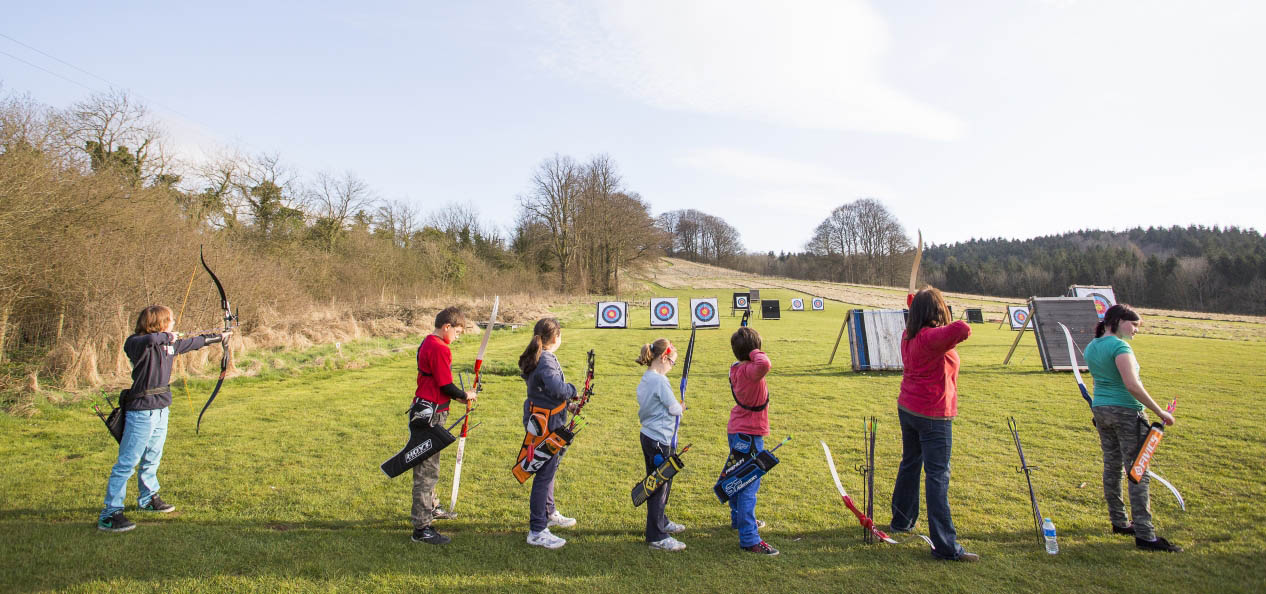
x=557, y=519
x=674, y=528
x=668, y=544
x=545, y=539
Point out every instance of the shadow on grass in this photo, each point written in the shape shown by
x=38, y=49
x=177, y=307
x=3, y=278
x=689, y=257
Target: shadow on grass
x=484, y=555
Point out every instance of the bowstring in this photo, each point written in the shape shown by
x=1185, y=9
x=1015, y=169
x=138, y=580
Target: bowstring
x=184, y=380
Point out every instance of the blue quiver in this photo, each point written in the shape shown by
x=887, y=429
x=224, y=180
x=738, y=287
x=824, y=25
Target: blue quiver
x=738, y=477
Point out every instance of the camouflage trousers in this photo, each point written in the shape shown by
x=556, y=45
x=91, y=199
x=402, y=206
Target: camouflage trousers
x=1121, y=432
x=425, y=477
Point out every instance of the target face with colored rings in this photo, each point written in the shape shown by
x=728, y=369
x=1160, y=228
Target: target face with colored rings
x=1101, y=304
x=1020, y=316
x=818, y=303
x=612, y=314
x=704, y=312
x=741, y=302
x=665, y=311
x=797, y=304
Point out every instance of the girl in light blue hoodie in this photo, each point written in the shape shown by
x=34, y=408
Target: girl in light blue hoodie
x=658, y=410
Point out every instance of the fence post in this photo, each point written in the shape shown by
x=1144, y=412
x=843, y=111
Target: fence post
x=4, y=327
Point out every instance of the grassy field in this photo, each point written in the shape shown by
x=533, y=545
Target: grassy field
x=282, y=491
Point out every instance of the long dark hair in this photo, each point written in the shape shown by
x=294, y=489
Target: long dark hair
x=927, y=310
x=1113, y=317
x=543, y=333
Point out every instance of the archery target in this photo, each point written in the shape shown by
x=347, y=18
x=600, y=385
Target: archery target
x=797, y=304
x=613, y=314
x=1104, y=297
x=741, y=300
x=819, y=304
x=703, y=313
x=663, y=312
x=1018, y=316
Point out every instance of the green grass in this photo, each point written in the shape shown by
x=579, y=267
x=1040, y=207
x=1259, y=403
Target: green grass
x=282, y=491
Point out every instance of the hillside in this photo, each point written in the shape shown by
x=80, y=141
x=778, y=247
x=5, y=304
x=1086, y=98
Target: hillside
x=672, y=273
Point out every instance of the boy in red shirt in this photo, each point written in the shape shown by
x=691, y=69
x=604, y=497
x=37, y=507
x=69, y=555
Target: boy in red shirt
x=431, y=401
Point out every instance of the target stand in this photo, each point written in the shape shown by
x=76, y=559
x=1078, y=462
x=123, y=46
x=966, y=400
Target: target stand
x=704, y=314
x=612, y=314
x=663, y=312
x=1103, y=295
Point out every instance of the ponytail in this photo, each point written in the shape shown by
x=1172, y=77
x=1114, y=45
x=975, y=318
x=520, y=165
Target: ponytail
x=651, y=352
x=543, y=333
x=1113, y=317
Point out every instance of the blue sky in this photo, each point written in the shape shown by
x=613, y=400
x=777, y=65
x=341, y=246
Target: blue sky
x=967, y=119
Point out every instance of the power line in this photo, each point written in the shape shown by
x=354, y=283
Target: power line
x=109, y=82
x=48, y=55
x=38, y=67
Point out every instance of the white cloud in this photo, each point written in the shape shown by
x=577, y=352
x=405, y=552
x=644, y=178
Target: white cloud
x=811, y=65
x=773, y=202
x=815, y=187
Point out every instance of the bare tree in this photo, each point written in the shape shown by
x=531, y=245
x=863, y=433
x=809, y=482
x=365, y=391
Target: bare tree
x=555, y=201
x=700, y=236
x=863, y=240
x=25, y=124
x=334, y=200
x=268, y=191
x=459, y=221
x=114, y=132
x=398, y=220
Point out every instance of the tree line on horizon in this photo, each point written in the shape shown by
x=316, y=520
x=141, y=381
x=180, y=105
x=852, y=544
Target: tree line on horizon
x=1193, y=268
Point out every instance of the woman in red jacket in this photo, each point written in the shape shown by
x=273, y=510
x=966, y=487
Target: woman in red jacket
x=927, y=407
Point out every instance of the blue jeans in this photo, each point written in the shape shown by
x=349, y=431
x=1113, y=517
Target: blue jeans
x=926, y=444
x=144, y=432
x=743, y=503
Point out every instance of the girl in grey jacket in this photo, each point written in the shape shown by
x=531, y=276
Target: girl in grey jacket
x=546, y=389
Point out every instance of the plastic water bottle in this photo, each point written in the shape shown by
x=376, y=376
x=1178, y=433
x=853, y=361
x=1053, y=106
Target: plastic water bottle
x=1048, y=530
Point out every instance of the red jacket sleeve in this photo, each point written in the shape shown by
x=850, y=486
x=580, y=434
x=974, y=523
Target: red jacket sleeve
x=759, y=367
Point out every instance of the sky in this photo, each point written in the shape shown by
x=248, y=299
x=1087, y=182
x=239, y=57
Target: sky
x=974, y=119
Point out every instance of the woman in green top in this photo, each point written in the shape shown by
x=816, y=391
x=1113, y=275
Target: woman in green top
x=1118, y=409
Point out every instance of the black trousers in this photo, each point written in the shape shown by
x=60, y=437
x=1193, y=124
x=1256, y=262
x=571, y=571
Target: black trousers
x=656, y=519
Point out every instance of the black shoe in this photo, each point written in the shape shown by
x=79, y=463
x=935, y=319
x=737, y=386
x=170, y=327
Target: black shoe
x=440, y=514
x=158, y=505
x=895, y=530
x=761, y=547
x=428, y=535
x=1159, y=544
x=1127, y=530
x=115, y=523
